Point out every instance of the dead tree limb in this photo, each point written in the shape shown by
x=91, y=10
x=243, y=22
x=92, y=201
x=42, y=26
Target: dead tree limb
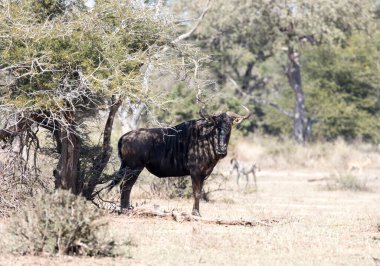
x=102, y=159
x=185, y=217
x=191, y=31
x=7, y=134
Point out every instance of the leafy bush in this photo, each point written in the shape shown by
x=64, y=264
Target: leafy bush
x=60, y=223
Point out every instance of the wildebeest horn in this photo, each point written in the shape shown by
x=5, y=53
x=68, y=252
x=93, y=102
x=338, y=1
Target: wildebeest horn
x=238, y=118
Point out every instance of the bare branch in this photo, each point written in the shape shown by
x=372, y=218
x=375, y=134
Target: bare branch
x=278, y=108
x=102, y=159
x=260, y=101
x=191, y=31
x=12, y=131
x=159, y=5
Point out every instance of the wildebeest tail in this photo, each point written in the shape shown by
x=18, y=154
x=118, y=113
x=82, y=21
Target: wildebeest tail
x=120, y=174
x=118, y=178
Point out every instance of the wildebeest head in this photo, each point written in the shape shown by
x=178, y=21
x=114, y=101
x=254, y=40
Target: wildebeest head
x=221, y=125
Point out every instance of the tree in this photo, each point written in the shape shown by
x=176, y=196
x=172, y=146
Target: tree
x=317, y=23
x=342, y=85
x=242, y=34
x=62, y=63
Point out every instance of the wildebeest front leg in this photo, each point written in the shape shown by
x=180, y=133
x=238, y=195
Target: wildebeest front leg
x=126, y=188
x=246, y=179
x=238, y=177
x=197, y=183
x=254, y=177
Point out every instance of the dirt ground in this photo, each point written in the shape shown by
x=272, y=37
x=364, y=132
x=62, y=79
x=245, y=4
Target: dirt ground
x=315, y=226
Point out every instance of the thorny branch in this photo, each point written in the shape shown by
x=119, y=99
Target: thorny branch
x=131, y=122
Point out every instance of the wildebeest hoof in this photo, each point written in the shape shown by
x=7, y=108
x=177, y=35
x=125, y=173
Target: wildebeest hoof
x=195, y=213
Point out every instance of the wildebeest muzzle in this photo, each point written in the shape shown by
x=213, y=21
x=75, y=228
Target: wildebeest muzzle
x=223, y=136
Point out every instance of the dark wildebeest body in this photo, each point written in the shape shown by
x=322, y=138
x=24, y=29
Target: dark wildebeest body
x=190, y=148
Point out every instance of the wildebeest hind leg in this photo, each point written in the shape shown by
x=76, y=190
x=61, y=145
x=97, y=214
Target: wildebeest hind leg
x=126, y=187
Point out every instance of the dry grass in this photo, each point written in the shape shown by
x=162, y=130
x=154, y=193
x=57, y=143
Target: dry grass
x=316, y=226
x=283, y=154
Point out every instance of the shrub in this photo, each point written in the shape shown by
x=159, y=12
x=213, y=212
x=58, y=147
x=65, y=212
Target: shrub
x=346, y=181
x=60, y=223
x=20, y=179
x=351, y=182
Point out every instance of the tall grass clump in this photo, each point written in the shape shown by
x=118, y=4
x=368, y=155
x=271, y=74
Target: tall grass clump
x=60, y=223
x=352, y=182
x=346, y=181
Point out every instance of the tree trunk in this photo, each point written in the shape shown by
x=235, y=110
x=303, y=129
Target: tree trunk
x=68, y=169
x=247, y=77
x=102, y=159
x=294, y=78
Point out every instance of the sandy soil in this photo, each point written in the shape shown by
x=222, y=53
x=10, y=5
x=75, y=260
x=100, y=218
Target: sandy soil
x=316, y=226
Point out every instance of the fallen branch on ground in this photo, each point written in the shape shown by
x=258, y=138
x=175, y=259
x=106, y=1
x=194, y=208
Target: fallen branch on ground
x=320, y=179
x=185, y=217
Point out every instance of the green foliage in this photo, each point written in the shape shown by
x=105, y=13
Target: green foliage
x=272, y=120
x=60, y=223
x=64, y=62
x=241, y=34
x=182, y=105
x=342, y=85
x=341, y=90
x=249, y=40
x=48, y=9
x=78, y=57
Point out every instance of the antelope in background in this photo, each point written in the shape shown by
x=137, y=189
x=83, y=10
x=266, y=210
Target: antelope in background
x=358, y=165
x=244, y=169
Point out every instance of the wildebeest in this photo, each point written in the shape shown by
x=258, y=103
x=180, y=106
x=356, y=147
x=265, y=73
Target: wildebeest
x=244, y=169
x=191, y=148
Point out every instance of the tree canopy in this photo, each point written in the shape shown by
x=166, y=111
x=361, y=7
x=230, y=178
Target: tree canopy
x=61, y=63
x=78, y=57
x=253, y=43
